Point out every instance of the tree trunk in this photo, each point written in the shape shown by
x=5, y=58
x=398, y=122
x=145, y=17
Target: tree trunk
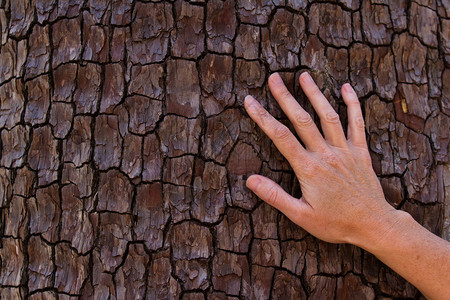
x=125, y=146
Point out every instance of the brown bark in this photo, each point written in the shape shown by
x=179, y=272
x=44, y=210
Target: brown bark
x=124, y=145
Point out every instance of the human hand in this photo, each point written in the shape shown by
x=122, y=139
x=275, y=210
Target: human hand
x=342, y=199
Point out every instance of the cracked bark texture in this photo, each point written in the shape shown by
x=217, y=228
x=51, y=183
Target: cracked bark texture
x=125, y=146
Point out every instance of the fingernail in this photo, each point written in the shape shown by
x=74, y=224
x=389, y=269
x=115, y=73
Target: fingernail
x=249, y=100
x=307, y=78
x=251, y=105
x=253, y=182
x=276, y=78
x=348, y=87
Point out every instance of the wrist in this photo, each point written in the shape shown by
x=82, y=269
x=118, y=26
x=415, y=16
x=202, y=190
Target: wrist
x=384, y=230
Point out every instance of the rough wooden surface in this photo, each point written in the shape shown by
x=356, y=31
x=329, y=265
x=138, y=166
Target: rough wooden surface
x=125, y=146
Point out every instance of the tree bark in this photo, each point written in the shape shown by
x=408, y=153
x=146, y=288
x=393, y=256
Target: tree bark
x=125, y=146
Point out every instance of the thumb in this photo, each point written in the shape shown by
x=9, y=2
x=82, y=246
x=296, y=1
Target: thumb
x=274, y=195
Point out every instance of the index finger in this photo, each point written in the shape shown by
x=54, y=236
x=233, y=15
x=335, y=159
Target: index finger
x=281, y=136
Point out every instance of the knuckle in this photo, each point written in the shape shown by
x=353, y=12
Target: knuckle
x=332, y=117
x=310, y=167
x=281, y=131
x=284, y=92
x=316, y=92
x=365, y=158
x=262, y=113
x=353, y=101
x=272, y=196
x=331, y=158
x=304, y=120
x=359, y=121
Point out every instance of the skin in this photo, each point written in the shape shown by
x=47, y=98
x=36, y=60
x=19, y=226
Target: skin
x=350, y=207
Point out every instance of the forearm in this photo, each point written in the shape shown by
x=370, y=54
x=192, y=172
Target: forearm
x=412, y=251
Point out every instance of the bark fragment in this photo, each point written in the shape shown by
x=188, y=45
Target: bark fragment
x=410, y=59
x=243, y=160
x=150, y=32
x=424, y=24
x=360, y=66
x=12, y=58
x=14, y=143
x=12, y=265
x=147, y=81
x=16, y=218
x=255, y=13
x=228, y=269
x=160, y=282
x=11, y=103
x=324, y=14
x=282, y=40
x=152, y=158
x=197, y=237
x=152, y=214
x=179, y=135
x=210, y=192
x=234, y=232
x=39, y=52
x=87, y=93
x=383, y=69
x=187, y=39
x=222, y=132
x=113, y=88
x=107, y=151
x=129, y=276
x=217, y=83
x=95, y=39
x=66, y=40
x=379, y=122
x=247, y=42
x=114, y=235
x=287, y=286
x=220, y=25
x=43, y=155
x=376, y=23
x=40, y=265
x=115, y=192
x=183, y=94
x=77, y=226
x=64, y=82
x=77, y=147
x=21, y=17
x=71, y=269
x=351, y=285
x=45, y=211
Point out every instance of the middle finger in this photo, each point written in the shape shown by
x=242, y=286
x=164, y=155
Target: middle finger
x=303, y=123
x=329, y=119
